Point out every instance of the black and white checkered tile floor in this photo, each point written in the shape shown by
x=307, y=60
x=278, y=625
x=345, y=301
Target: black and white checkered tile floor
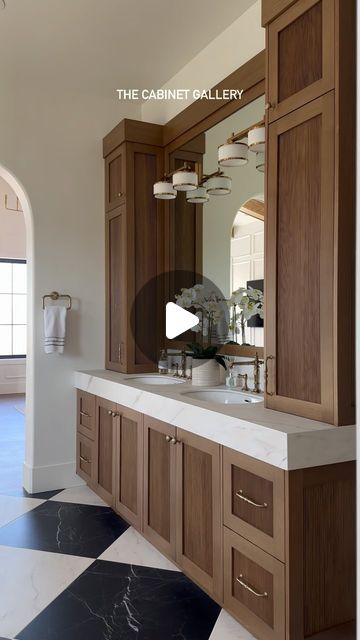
x=71, y=568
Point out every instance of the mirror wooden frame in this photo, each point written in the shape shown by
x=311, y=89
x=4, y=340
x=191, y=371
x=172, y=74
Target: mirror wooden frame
x=195, y=120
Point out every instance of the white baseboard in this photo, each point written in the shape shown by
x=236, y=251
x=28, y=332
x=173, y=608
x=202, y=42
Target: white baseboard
x=48, y=478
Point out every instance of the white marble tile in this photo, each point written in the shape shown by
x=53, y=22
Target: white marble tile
x=226, y=628
x=132, y=548
x=79, y=495
x=13, y=507
x=29, y=581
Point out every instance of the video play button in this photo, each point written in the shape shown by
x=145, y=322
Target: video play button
x=178, y=320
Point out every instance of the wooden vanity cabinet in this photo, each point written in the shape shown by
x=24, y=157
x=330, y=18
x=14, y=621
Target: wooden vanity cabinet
x=198, y=511
x=115, y=178
x=133, y=247
x=128, y=498
x=300, y=55
x=310, y=209
x=300, y=261
x=159, y=484
x=107, y=418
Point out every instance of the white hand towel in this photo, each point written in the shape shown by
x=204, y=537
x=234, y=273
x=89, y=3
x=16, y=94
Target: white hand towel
x=54, y=328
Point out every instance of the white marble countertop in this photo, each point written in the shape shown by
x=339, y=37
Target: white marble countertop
x=281, y=439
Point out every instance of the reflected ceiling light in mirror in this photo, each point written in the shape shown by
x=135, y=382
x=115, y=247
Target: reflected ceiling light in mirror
x=185, y=179
x=163, y=190
x=256, y=138
x=218, y=185
x=197, y=196
x=260, y=161
x=232, y=154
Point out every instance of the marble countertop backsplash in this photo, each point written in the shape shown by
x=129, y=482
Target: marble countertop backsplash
x=281, y=439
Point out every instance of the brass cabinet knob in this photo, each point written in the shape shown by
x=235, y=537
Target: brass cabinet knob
x=110, y=412
x=269, y=106
x=168, y=438
x=115, y=414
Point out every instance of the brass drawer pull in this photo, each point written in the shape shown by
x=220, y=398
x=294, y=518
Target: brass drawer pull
x=248, y=588
x=83, y=459
x=84, y=414
x=239, y=494
x=269, y=393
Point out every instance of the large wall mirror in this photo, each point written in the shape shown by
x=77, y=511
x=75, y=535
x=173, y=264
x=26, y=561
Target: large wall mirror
x=223, y=239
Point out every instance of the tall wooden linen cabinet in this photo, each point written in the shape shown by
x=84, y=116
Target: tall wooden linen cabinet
x=133, y=234
x=310, y=209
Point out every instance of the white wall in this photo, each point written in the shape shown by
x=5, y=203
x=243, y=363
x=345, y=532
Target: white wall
x=51, y=141
x=240, y=42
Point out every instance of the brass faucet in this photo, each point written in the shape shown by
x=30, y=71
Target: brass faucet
x=257, y=363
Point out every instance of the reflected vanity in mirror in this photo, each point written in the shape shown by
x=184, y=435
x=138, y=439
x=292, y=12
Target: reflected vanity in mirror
x=216, y=232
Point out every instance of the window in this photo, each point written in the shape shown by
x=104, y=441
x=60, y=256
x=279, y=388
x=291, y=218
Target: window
x=12, y=308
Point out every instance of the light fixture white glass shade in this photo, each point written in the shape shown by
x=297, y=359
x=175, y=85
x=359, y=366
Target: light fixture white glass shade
x=197, y=196
x=232, y=154
x=164, y=190
x=256, y=138
x=185, y=180
x=260, y=161
x=218, y=185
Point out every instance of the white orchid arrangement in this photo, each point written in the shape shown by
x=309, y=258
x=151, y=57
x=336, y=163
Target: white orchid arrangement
x=245, y=303
x=207, y=307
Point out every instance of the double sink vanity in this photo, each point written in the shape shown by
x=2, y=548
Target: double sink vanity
x=252, y=496
x=247, y=501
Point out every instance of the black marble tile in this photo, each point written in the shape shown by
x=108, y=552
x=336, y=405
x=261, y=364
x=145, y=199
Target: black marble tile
x=76, y=529
x=43, y=495
x=113, y=601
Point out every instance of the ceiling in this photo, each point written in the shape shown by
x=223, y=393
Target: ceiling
x=97, y=45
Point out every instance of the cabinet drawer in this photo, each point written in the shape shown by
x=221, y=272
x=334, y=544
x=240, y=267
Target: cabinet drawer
x=300, y=56
x=254, y=587
x=86, y=414
x=85, y=458
x=254, y=501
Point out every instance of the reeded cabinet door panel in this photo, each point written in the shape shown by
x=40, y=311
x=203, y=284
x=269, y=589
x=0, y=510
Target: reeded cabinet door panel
x=198, y=511
x=300, y=262
x=106, y=419
x=129, y=465
x=115, y=176
x=300, y=53
x=116, y=328
x=159, y=484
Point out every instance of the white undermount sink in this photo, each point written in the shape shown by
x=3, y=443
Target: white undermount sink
x=155, y=379
x=222, y=396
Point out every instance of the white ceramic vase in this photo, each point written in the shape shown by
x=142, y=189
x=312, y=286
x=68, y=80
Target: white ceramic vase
x=205, y=373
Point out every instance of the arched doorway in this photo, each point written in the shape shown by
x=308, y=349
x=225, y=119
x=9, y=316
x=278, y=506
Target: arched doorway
x=24, y=203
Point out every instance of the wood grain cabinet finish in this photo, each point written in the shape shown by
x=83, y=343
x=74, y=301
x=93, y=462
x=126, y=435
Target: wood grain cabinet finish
x=107, y=418
x=254, y=587
x=116, y=289
x=85, y=458
x=86, y=414
x=129, y=465
x=254, y=501
x=159, y=484
x=300, y=54
x=134, y=231
x=115, y=176
x=198, y=511
x=300, y=304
